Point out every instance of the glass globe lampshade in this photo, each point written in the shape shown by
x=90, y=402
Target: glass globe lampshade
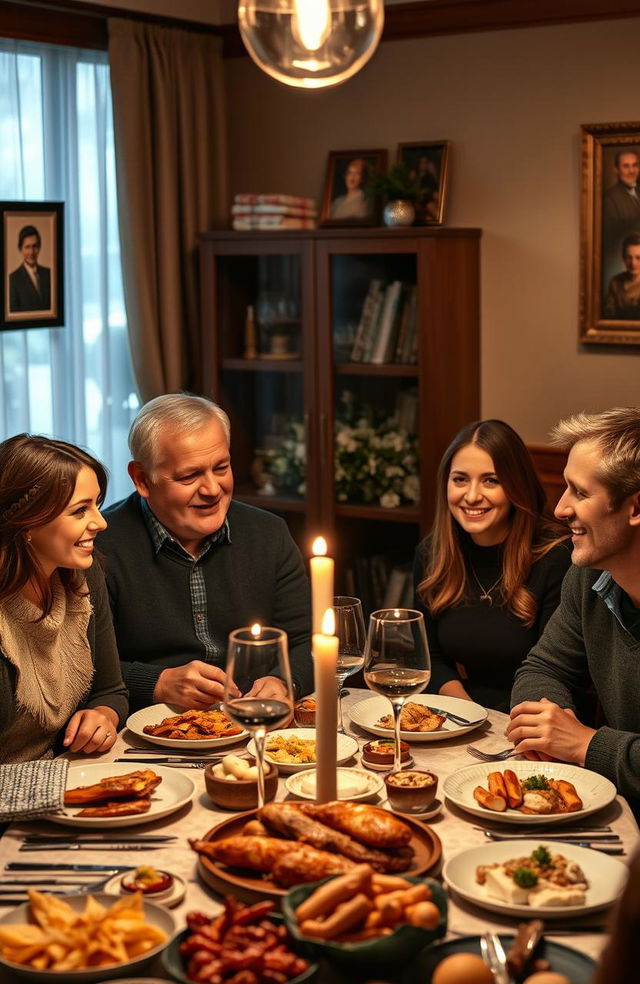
x=311, y=44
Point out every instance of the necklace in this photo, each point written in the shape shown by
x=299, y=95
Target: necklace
x=485, y=593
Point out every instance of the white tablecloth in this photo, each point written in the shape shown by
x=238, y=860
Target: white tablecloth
x=454, y=828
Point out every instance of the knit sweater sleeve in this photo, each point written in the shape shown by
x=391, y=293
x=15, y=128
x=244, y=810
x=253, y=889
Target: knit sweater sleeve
x=108, y=688
x=556, y=667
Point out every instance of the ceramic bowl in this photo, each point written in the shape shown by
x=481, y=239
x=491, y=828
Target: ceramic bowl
x=240, y=794
x=383, y=955
x=411, y=790
x=382, y=752
x=304, y=712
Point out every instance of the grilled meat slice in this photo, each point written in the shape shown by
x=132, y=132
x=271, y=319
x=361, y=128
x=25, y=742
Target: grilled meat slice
x=368, y=824
x=133, y=784
x=118, y=808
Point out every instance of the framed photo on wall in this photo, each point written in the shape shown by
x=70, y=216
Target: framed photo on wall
x=610, y=234
x=345, y=201
x=32, y=265
x=428, y=163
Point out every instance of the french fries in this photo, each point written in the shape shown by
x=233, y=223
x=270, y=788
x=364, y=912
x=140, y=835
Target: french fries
x=362, y=905
x=64, y=940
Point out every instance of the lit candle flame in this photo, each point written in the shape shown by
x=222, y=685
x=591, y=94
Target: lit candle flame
x=329, y=622
x=256, y=629
x=319, y=546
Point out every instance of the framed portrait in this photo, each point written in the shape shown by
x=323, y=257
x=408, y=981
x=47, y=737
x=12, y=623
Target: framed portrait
x=428, y=163
x=345, y=201
x=32, y=265
x=610, y=234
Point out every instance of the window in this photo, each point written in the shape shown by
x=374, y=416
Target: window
x=56, y=144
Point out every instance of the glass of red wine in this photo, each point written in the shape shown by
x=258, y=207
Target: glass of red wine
x=253, y=653
x=397, y=663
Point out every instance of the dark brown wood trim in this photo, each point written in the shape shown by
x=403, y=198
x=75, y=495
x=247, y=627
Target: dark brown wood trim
x=549, y=463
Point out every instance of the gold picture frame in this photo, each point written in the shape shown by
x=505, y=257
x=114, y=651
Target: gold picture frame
x=428, y=162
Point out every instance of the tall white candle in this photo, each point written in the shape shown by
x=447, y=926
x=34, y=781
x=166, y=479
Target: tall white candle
x=321, y=568
x=325, y=659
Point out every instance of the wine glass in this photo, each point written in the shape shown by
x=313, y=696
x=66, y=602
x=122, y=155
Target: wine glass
x=396, y=660
x=349, y=628
x=253, y=653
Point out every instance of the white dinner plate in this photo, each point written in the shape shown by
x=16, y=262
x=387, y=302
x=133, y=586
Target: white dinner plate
x=175, y=790
x=157, y=713
x=346, y=748
x=154, y=914
x=366, y=714
x=373, y=785
x=605, y=877
x=595, y=791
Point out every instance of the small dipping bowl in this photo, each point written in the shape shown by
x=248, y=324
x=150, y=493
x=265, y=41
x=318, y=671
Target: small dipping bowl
x=382, y=752
x=412, y=790
x=304, y=712
x=240, y=794
x=156, y=891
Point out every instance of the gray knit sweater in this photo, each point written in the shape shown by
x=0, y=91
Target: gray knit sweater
x=584, y=639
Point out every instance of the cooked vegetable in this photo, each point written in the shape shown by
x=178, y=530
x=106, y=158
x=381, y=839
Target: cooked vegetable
x=535, y=782
x=542, y=856
x=525, y=878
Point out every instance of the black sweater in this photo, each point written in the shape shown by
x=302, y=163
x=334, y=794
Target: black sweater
x=489, y=641
x=258, y=577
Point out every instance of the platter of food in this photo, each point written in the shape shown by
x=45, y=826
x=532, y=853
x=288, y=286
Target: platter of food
x=418, y=720
x=82, y=938
x=534, y=792
x=110, y=794
x=533, y=878
x=173, y=727
x=577, y=967
x=294, y=749
x=261, y=854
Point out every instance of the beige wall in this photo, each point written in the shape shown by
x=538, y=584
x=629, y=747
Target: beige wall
x=512, y=103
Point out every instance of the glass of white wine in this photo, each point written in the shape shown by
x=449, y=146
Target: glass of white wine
x=397, y=662
x=349, y=628
x=253, y=653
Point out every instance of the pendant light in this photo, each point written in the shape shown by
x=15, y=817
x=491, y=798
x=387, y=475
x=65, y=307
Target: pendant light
x=311, y=44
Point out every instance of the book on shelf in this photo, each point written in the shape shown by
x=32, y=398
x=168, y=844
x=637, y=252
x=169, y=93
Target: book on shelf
x=293, y=211
x=364, y=328
x=406, y=317
x=406, y=349
x=387, y=327
x=395, y=590
x=244, y=222
x=245, y=198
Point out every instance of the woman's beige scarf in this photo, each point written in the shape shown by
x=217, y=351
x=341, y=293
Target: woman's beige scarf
x=53, y=665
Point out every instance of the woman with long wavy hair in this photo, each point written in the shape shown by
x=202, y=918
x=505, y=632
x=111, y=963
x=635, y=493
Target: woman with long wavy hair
x=488, y=576
x=60, y=679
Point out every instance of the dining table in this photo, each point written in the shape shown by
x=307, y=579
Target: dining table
x=456, y=829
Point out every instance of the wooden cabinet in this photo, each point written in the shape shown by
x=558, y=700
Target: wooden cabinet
x=292, y=399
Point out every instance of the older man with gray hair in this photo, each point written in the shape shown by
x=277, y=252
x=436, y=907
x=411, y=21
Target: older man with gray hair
x=186, y=564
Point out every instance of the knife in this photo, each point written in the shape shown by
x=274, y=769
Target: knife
x=614, y=838
x=171, y=761
x=96, y=838
x=541, y=830
x=455, y=717
x=32, y=866
x=195, y=752
x=106, y=846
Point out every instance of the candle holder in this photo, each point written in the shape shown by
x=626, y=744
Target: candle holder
x=252, y=653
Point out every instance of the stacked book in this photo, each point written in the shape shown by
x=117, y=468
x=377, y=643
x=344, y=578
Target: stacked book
x=273, y=212
x=387, y=329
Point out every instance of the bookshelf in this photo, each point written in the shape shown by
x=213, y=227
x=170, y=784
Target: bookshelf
x=326, y=302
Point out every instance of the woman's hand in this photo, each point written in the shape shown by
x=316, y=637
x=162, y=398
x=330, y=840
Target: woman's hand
x=91, y=730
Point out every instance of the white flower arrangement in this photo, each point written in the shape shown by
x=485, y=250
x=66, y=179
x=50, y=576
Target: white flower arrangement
x=376, y=461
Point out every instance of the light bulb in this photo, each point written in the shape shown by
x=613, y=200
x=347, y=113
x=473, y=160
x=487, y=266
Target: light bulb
x=311, y=43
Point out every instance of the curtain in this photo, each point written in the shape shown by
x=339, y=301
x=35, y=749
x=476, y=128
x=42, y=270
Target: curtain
x=168, y=103
x=56, y=144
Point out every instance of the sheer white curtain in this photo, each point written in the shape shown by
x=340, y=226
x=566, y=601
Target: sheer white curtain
x=56, y=144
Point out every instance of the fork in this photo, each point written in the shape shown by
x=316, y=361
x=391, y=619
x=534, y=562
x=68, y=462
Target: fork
x=10, y=897
x=500, y=756
x=494, y=956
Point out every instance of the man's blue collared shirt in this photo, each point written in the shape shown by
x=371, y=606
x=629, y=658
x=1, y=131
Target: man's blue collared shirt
x=162, y=539
x=612, y=595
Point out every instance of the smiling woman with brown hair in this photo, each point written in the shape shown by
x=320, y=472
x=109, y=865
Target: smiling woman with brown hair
x=488, y=575
x=59, y=669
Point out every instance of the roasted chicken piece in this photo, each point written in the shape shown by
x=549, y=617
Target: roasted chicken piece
x=194, y=726
x=306, y=864
x=368, y=824
x=240, y=851
x=289, y=820
x=132, y=785
x=414, y=717
x=118, y=808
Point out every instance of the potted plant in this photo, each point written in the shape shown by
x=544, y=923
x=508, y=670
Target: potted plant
x=399, y=189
